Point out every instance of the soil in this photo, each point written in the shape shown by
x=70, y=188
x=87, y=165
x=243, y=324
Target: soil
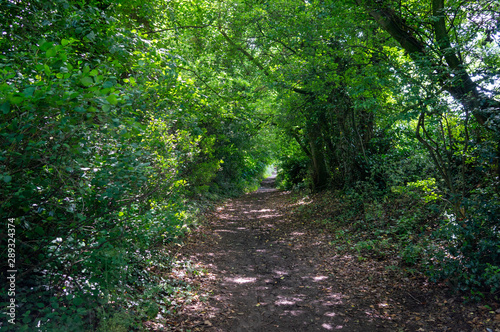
x=268, y=269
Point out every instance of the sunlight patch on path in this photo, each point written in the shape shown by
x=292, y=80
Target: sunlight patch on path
x=241, y=280
x=269, y=273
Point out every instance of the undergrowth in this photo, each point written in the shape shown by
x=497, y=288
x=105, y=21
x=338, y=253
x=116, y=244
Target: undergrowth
x=411, y=229
x=118, y=287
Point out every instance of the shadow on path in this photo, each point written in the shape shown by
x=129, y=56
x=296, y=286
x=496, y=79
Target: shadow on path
x=266, y=272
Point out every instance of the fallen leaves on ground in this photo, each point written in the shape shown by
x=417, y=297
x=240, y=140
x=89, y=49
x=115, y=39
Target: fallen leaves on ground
x=268, y=266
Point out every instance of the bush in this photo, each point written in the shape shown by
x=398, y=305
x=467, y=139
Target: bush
x=91, y=163
x=470, y=258
x=293, y=172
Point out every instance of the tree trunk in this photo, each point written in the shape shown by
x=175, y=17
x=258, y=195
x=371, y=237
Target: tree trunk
x=319, y=171
x=454, y=78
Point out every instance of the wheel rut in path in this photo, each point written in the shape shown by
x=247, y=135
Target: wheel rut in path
x=266, y=272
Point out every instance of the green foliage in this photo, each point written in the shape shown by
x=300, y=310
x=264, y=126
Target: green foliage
x=470, y=252
x=118, y=118
x=424, y=189
x=379, y=225
x=391, y=111
x=292, y=172
x=102, y=144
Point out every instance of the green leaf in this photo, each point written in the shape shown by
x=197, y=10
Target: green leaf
x=45, y=45
x=51, y=52
x=7, y=178
x=5, y=107
x=104, y=92
x=77, y=301
x=28, y=92
x=91, y=36
x=26, y=318
x=87, y=81
x=112, y=99
x=39, y=230
x=47, y=70
x=16, y=99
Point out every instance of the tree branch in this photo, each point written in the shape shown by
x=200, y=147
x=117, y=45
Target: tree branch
x=257, y=63
x=203, y=81
x=461, y=87
x=179, y=27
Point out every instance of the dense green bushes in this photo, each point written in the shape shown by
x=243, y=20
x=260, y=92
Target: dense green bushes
x=470, y=259
x=105, y=152
x=293, y=172
x=408, y=217
x=415, y=234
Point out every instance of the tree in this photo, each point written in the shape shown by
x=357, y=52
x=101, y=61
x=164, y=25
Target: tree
x=106, y=147
x=437, y=38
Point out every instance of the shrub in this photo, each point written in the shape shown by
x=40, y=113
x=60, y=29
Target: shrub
x=470, y=255
x=293, y=172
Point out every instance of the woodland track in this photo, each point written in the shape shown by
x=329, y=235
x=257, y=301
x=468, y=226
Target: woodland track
x=268, y=269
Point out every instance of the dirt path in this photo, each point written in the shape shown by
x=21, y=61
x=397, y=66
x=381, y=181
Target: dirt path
x=268, y=271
